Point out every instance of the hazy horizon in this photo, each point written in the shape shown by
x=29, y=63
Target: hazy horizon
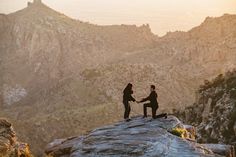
x=161, y=15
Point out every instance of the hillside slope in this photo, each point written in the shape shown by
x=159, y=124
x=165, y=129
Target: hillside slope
x=214, y=113
x=178, y=65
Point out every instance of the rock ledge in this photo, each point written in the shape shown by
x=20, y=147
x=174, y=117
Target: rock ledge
x=140, y=137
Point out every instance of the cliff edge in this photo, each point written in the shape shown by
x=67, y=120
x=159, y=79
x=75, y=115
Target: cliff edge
x=140, y=137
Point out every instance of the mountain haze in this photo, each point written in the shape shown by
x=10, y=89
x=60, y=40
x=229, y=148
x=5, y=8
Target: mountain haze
x=62, y=77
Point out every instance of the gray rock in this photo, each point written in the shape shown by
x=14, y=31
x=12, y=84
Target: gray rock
x=140, y=137
x=221, y=149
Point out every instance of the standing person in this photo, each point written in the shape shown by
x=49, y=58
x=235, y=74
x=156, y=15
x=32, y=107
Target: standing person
x=153, y=104
x=127, y=96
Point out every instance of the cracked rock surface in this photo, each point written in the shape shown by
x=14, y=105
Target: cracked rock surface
x=140, y=137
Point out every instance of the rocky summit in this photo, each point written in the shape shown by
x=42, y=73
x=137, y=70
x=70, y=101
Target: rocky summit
x=139, y=137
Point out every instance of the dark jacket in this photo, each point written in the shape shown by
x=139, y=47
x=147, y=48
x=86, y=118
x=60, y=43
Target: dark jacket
x=127, y=95
x=152, y=98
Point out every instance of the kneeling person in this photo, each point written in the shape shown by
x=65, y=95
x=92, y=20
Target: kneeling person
x=152, y=104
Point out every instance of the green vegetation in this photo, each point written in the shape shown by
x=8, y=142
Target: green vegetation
x=228, y=78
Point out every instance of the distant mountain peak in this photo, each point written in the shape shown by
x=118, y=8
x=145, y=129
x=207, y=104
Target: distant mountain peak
x=35, y=2
x=37, y=10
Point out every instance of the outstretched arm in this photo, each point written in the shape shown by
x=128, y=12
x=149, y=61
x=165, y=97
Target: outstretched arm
x=145, y=99
x=132, y=98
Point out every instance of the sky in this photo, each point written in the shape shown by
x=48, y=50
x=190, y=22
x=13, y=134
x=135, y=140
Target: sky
x=162, y=15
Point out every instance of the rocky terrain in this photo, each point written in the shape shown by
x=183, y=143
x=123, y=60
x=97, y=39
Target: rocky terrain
x=214, y=114
x=140, y=137
x=58, y=72
x=9, y=145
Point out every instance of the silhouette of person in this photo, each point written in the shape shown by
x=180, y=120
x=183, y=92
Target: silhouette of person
x=152, y=104
x=127, y=97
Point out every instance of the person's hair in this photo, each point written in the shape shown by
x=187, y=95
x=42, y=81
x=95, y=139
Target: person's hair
x=153, y=87
x=128, y=87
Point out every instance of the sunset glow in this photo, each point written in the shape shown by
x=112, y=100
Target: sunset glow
x=162, y=15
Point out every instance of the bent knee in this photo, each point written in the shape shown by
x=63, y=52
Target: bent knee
x=145, y=105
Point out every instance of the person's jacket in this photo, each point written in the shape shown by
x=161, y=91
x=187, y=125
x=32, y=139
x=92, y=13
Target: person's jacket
x=127, y=95
x=152, y=98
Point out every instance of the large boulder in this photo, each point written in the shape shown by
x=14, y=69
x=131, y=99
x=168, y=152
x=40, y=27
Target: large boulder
x=9, y=146
x=224, y=150
x=140, y=137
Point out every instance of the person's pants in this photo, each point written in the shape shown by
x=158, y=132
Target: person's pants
x=154, y=109
x=127, y=110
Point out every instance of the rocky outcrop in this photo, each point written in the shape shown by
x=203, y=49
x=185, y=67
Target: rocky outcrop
x=214, y=113
x=140, y=137
x=221, y=149
x=8, y=137
x=9, y=146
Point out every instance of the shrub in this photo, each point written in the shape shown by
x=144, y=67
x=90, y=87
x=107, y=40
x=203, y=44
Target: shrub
x=180, y=132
